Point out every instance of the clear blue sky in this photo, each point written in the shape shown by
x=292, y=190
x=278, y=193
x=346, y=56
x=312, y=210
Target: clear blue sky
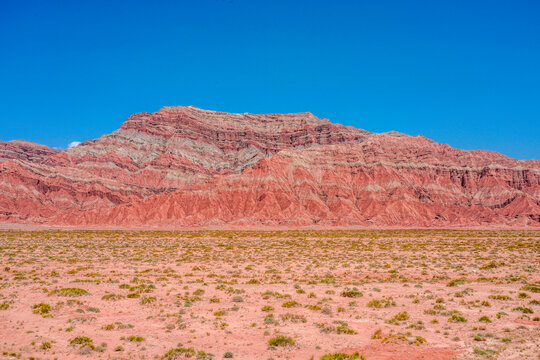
x=466, y=73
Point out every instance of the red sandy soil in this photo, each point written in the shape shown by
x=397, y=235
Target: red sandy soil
x=377, y=351
x=384, y=294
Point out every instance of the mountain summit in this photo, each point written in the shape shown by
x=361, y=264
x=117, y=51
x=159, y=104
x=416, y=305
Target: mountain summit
x=184, y=166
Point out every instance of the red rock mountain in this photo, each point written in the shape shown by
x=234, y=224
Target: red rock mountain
x=184, y=166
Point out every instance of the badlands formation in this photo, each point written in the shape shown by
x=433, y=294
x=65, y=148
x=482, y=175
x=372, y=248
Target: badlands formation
x=187, y=167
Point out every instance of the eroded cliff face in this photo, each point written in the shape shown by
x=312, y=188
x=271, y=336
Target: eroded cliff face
x=215, y=141
x=185, y=166
x=24, y=150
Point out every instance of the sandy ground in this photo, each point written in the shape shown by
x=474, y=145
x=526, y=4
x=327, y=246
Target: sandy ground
x=387, y=294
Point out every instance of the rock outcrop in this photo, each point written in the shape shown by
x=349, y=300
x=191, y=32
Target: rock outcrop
x=24, y=150
x=184, y=167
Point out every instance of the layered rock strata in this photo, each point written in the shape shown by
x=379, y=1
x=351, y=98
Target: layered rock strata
x=185, y=167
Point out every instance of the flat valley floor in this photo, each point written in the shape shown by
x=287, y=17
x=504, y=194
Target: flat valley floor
x=376, y=295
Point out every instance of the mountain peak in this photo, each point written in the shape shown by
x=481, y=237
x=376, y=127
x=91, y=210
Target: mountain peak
x=216, y=140
x=270, y=122
x=185, y=166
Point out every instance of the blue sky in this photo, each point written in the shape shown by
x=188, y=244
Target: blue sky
x=466, y=73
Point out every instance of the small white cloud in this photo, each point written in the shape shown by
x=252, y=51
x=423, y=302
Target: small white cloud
x=73, y=144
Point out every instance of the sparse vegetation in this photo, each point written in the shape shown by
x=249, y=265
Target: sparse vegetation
x=207, y=287
x=342, y=356
x=42, y=309
x=72, y=292
x=281, y=340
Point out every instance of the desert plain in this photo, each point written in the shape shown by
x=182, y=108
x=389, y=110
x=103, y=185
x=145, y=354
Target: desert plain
x=298, y=294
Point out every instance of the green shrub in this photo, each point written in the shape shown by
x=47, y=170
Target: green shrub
x=174, y=354
x=457, y=318
x=83, y=341
x=484, y=319
x=345, y=329
x=112, y=297
x=456, y=282
x=375, y=303
x=147, y=300
x=295, y=318
x=281, y=340
x=342, y=356
x=351, y=293
x=492, y=265
x=42, y=309
x=269, y=319
x=290, y=304
x=402, y=316
x=525, y=310
x=535, y=288
x=134, y=338
x=501, y=314
x=72, y=292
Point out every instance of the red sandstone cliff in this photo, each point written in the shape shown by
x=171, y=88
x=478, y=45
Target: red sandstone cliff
x=184, y=166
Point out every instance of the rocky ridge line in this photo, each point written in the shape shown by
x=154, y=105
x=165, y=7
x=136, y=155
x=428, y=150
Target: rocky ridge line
x=184, y=166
